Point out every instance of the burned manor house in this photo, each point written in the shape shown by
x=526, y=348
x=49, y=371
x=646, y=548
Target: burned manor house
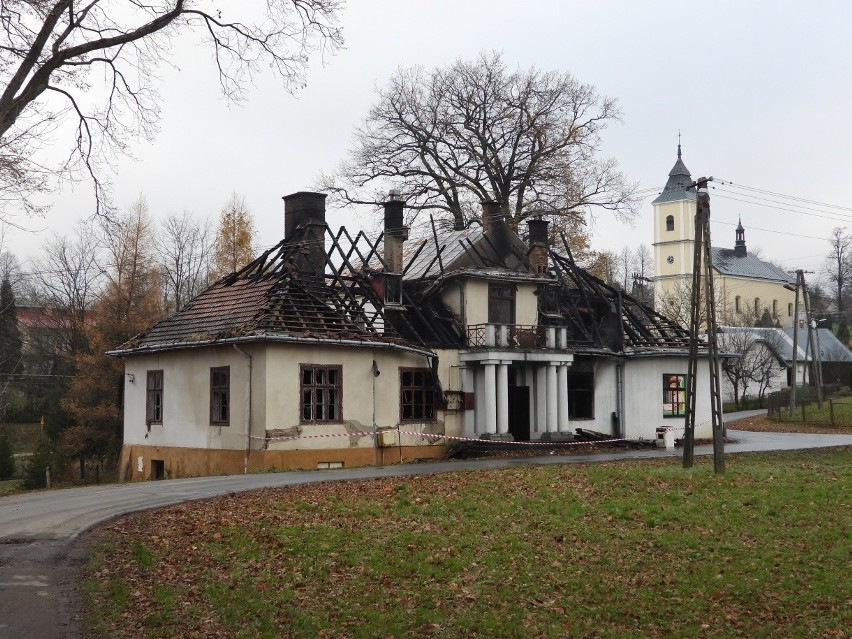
x=334, y=349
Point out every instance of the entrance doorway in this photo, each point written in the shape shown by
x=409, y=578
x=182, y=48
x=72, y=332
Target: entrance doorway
x=519, y=413
x=158, y=469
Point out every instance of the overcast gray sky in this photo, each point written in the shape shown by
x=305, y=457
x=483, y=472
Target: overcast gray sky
x=761, y=92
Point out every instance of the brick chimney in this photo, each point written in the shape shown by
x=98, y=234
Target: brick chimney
x=491, y=215
x=306, y=210
x=539, y=245
x=395, y=232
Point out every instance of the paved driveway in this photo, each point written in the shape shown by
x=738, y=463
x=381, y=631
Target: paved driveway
x=39, y=562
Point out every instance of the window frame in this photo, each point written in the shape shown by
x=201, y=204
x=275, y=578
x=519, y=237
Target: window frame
x=153, y=391
x=313, y=386
x=675, y=394
x=670, y=223
x=218, y=391
x=738, y=304
x=500, y=293
x=581, y=395
x=425, y=389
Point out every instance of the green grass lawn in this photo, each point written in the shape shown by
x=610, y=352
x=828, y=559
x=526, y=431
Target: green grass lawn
x=631, y=549
x=837, y=413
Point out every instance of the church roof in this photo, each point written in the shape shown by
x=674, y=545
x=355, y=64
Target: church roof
x=727, y=262
x=676, y=186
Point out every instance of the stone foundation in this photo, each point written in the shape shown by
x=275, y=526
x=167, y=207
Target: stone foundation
x=160, y=462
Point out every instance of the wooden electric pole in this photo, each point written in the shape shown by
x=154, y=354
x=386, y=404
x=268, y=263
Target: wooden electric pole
x=702, y=260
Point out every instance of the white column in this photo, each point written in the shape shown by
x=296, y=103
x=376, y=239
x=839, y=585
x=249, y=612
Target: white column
x=503, y=398
x=541, y=399
x=551, y=398
x=468, y=387
x=479, y=399
x=562, y=398
x=489, y=403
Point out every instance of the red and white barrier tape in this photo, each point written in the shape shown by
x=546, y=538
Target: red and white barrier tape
x=438, y=436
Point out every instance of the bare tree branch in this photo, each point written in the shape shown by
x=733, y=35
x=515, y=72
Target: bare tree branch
x=62, y=48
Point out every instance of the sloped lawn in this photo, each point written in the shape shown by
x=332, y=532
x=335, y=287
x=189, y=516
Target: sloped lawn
x=640, y=549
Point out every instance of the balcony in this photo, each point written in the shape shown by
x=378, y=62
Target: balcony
x=517, y=336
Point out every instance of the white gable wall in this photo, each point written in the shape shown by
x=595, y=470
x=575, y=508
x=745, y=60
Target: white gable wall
x=643, y=401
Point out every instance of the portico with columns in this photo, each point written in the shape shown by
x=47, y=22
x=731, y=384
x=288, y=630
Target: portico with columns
x=534, y=383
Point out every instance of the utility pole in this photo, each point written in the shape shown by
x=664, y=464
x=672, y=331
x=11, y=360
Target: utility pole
x=799, y=279
x=816, y=364
x=702, y=259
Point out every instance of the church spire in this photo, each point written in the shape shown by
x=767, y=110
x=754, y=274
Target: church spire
x=677, y=187
x=740, y=245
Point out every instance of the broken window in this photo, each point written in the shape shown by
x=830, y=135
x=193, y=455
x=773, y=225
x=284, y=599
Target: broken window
x=581, y=395
x=322, y=390
x=393, y=289
x=154, y=403
x=417, y=395
x=674, y=395
x=501, y=304
x=220, y=395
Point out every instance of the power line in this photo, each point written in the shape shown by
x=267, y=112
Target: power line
x=757, y=228
x=780, y=208
x=788, y=197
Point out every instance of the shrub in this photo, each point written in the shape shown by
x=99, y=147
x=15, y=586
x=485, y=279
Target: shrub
x=44, y=457
x=7, y=459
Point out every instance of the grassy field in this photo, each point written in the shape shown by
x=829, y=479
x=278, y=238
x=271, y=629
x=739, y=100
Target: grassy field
x=836, y=413
x=612, y=550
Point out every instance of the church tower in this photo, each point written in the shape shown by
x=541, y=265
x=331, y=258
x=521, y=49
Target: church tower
x=674, y=233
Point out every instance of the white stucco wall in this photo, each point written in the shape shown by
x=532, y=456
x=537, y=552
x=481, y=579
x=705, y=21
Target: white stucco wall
x=275, y=395
x=186, y=398
x=643, y=404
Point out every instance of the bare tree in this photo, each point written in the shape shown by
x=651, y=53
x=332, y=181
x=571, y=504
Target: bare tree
x=838, y=268
x=95, y=61
x=67, y=282
x=474, y=131
x=752, y=364
x=184, y=246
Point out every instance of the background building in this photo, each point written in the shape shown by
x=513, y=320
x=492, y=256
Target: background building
x=746, y=286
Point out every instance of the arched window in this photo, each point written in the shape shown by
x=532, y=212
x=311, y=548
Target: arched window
x=670, y=223
x=738, y=304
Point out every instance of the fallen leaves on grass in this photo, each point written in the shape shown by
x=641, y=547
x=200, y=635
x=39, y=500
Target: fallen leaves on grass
x=620, y=549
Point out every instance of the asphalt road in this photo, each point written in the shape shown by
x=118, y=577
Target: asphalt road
x=41, y=561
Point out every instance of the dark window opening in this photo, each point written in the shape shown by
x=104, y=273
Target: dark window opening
x=417, y=395
x=393, y=289
x=501, y=304
x=674, y=395
x=322, y=390
x=220, y=396
x=670, y=223
x=581, y=395
x=154, y=400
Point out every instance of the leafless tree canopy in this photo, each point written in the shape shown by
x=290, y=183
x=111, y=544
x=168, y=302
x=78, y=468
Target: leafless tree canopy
x=838, y=267
x=475, y=131
x=93, y=62
x=183, y=244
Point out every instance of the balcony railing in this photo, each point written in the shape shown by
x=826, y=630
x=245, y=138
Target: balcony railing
x=516, y=336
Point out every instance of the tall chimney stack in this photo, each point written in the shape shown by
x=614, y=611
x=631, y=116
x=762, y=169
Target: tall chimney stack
x=492, y=217
x=539, y=245
x=306, y=210
x=395, y=232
